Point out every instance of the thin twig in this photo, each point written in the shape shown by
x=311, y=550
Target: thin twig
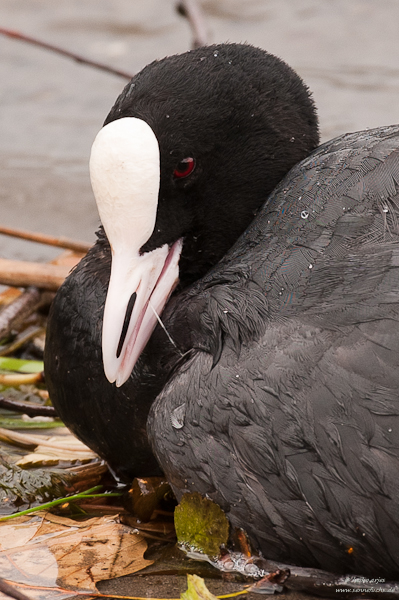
x=77, y=57
x=108, y=508
x=27, y=408
x=191, y=10
x=50, y=240
x=18, y=310
x=20, y=273
x=11, y=591
x=61, y=590
x=28, y=334
x=16, y=379
x=25, y=440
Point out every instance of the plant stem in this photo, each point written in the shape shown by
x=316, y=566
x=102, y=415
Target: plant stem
x=83, y=495
x=80, y=59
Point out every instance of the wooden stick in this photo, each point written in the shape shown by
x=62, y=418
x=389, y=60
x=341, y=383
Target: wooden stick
x=16, y=379
x=28, y=334
x=20, y=273
x=191, y=10
x=50, y=240
x=80, y=59
x=18, y=310
x=25, y=440
x=32, y=410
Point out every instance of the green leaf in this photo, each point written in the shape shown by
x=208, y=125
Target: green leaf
x=18, y=423
x=20, y=365
x=201, y=524
x=196, y=589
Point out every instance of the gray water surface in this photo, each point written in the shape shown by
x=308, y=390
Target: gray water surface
x=51, y=108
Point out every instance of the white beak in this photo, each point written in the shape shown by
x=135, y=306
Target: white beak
x=125, y=174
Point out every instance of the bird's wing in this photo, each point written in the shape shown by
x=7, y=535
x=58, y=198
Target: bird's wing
x=294, y=428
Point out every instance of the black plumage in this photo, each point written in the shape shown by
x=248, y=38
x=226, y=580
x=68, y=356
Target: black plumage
x=294, y=430
x=279, y=399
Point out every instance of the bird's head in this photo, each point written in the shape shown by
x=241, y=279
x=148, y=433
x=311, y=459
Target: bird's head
x=188, y=154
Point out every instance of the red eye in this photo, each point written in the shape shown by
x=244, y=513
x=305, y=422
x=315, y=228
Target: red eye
x=184, y=167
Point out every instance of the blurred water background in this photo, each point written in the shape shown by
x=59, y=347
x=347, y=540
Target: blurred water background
x=51, y=108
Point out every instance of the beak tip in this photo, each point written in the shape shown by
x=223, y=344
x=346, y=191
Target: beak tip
x=121, y=379
x=111, y=377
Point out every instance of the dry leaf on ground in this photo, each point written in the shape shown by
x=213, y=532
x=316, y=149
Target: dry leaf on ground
x=50, y=551
x=66, y=449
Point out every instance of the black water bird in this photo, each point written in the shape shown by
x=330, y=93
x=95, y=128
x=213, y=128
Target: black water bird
x=275, y=388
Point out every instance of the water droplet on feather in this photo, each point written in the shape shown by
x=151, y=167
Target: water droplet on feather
x=177, y=416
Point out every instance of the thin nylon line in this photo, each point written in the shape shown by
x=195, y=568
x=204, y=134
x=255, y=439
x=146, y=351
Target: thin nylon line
x=98, y=595
x=164, y=328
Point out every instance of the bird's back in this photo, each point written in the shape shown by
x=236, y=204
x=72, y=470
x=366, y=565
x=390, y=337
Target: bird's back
x=286, y=412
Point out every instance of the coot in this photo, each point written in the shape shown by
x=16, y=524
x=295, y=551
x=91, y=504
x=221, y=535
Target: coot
x=272, y=386
x=243, y=116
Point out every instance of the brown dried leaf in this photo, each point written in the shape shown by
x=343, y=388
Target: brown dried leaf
x=47, y=550
x=45, y=456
